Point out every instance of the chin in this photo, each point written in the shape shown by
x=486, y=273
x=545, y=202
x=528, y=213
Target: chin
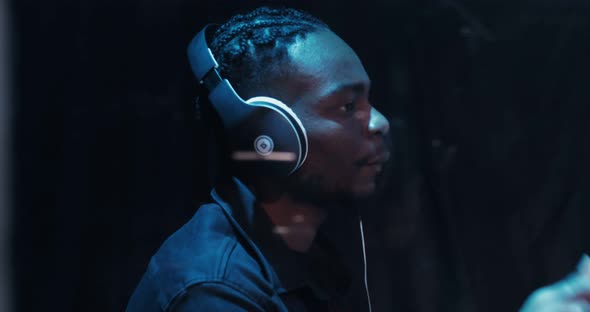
x=364, y=190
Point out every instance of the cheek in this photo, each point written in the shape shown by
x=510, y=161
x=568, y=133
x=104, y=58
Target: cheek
x=333, y=148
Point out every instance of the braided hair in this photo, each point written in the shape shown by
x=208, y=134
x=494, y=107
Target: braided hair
x=253, y=46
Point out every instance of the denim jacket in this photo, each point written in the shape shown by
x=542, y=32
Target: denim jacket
x=227, y=258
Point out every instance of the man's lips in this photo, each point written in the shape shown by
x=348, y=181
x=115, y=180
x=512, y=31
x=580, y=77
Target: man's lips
x=372, y=160
x=378, y=159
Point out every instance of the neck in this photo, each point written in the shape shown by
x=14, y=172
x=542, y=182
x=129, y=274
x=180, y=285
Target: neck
x=297, y=223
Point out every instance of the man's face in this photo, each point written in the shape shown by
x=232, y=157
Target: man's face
x=329, y=89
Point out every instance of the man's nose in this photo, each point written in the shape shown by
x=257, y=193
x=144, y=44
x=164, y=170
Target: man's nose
x=378, y=124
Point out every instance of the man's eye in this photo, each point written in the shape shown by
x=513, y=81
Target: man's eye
x=348, y=107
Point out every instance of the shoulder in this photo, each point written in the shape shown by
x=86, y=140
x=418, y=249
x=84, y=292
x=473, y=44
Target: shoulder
x=205, y=256
x=220, y=296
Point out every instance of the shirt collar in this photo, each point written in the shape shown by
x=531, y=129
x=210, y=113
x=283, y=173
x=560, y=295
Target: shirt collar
x=320, y=268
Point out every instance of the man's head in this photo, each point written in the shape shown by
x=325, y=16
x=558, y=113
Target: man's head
x=296, y=58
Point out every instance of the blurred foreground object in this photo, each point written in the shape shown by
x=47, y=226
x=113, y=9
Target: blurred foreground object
x=4, y=158
x=570, y=294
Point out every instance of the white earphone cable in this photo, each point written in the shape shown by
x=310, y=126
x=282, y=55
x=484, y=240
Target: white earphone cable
x=365, y=265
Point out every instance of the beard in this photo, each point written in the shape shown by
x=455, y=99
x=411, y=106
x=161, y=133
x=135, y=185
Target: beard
x=315, y=189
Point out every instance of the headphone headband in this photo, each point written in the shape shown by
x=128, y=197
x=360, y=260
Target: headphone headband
x=199, y=54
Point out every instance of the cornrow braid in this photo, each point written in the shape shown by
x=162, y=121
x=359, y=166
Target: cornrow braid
x=253, y=45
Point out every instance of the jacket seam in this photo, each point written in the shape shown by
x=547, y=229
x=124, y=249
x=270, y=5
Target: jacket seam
x=227, y=256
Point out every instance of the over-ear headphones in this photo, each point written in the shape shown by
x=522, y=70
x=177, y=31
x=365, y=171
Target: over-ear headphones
x=265, y=136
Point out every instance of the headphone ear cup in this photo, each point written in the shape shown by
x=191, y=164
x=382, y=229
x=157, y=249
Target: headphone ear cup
x=268, y=142
x=294, y=122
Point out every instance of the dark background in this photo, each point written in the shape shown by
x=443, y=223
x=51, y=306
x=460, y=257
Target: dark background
x=487, y=197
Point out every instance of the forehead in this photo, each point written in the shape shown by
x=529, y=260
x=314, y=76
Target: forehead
x=325, y=60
